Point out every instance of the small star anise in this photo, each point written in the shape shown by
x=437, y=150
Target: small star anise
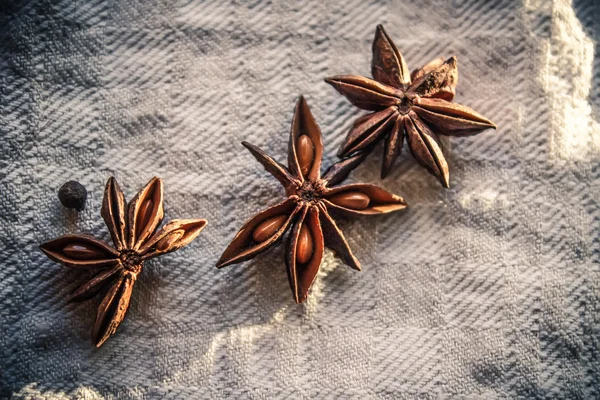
x=306, y=209
x=133, y=231
x=418, y=105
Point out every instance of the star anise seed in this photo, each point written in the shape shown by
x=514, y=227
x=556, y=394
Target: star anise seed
x=418, y=106
x=311, y=198
x=133, y=229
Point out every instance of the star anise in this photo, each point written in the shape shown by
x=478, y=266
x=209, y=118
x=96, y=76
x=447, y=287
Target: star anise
x=418, y=105
x=133, y=231
x=307, y=208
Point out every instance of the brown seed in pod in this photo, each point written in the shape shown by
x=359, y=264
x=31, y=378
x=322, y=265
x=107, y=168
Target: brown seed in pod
x=165, y=243
x=143, y=215
x=352, y=200
x=304, y=250
x=305, y=150
x=267, y=228
x=81, y=251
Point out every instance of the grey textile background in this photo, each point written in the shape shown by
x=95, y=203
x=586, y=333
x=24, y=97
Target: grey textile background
x=488, y=290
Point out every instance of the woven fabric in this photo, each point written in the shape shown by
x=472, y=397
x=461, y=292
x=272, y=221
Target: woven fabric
x=487, y=290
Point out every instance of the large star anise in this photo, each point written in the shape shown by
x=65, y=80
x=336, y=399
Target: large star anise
x=418, y=105
x=306, y=210
x=133, y=231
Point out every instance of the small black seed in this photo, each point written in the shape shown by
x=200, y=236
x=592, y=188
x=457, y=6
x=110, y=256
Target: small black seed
x=72, y=195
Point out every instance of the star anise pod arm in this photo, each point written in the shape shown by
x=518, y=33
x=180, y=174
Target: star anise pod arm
x=388, y=65
x=113, y=212
x=80, y=251
x=260, y=232
x=366, y=132
x=93, y=286
x=393, y=145
x=304, y=252
x=365, y=93
x=426, y=148
x=436, y=79
x=305, y=148
x=145, y=213
x=339, y=171
x=335, y=239
x=450, y=118
x=357, y=199
x=173, y=236
x=279, y=172
x=113, y=308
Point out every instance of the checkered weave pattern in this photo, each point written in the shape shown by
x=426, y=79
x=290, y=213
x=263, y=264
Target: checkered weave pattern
x=487, y=290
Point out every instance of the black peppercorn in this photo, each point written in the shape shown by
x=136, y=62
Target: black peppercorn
x=72, y=195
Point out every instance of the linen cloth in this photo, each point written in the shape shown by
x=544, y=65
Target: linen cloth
x=487, y=290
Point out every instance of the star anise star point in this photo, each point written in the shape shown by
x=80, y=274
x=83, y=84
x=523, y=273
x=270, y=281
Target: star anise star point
x=415, y=105
x=134, y=231
x=306, y=210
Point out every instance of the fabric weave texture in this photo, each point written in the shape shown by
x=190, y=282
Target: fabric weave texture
x=487, y=290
